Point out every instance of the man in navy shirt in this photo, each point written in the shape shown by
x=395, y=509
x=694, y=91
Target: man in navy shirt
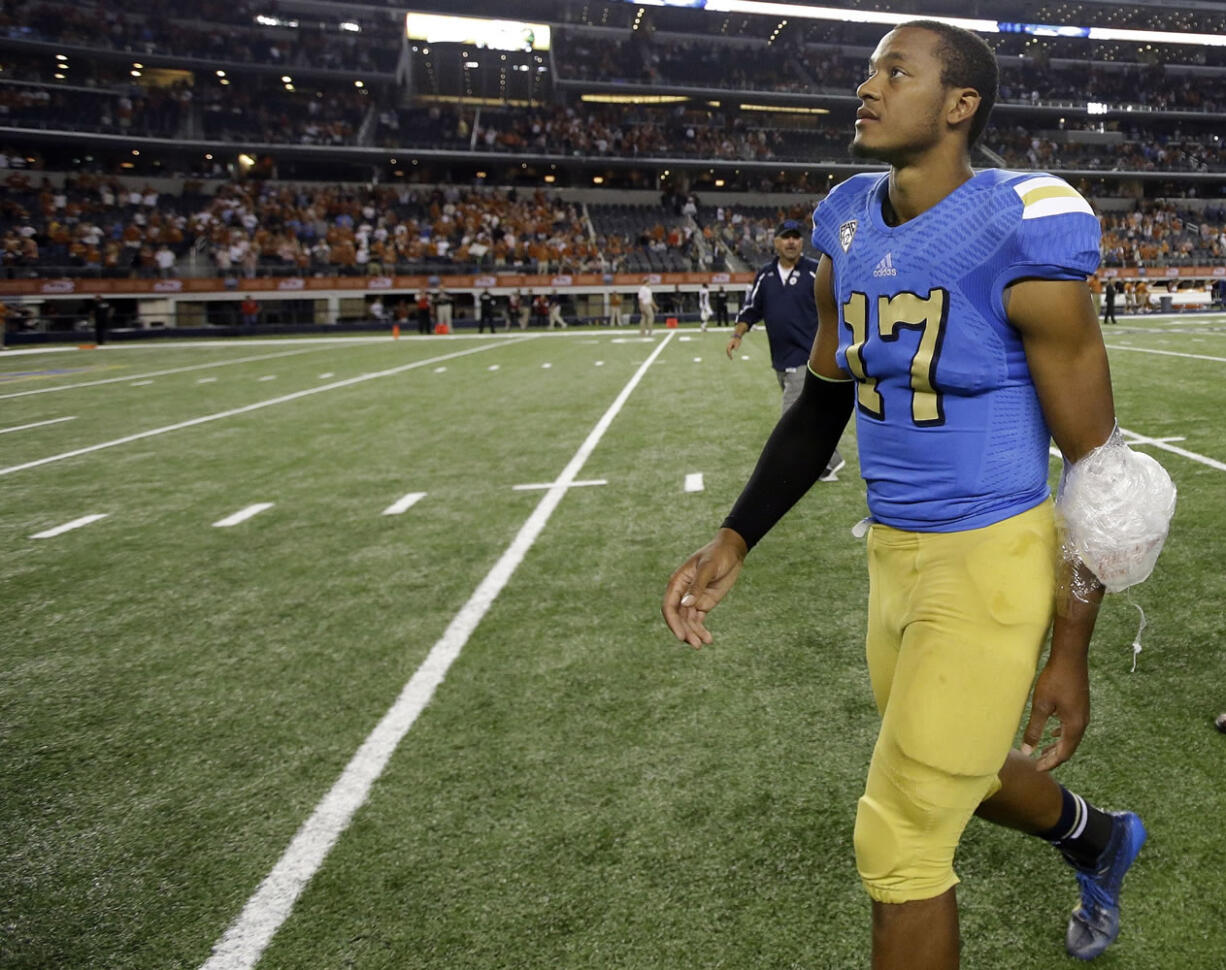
x=781, y=299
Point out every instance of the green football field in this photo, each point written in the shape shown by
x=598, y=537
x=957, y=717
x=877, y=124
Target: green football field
x=347, y=654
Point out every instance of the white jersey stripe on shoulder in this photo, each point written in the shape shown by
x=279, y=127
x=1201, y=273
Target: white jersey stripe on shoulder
x=1039, y=182
x=1057, y=206
x=1047, y=195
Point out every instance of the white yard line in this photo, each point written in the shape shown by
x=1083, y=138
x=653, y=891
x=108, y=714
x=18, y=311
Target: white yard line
x=1166, y=353
x=243, y=943
x=693, y=482
x=1136, y=438
x=1163, y=443
x=160, y=373
x=242, y=515
x=400, y=506
x=348, y=382
x=69, y=526
x=37, y=424
x=537, y=486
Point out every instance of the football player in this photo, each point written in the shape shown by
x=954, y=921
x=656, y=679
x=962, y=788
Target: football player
x=956, y=321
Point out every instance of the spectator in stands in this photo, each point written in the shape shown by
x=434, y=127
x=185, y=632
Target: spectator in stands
x=165, y=259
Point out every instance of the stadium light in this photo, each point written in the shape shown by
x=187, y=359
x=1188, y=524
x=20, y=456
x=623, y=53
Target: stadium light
x=499, y=35
x=771, y=9
x=633, y=98
x=785, y=109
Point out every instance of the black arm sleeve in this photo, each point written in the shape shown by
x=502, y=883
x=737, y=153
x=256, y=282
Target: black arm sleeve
x=794, y=457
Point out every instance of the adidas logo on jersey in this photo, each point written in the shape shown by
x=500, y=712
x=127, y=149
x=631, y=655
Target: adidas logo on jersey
x=886, y=266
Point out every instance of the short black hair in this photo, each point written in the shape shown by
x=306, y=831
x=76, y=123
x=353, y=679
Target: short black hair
x=966, y=62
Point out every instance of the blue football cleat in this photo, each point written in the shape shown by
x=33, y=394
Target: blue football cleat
x=1095, y=922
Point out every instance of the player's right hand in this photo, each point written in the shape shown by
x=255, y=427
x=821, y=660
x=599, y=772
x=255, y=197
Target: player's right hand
x=733, y=343
x=699, y=584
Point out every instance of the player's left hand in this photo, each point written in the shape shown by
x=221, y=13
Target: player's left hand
x=1061, y=692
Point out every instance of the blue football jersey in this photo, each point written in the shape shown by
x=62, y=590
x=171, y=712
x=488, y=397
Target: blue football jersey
x=949, y=427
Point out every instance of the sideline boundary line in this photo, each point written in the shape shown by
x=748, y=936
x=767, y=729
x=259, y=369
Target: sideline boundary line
x=153, y=432
x=242, y=945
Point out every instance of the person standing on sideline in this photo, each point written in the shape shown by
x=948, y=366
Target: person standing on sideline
x=721, y=307
x=250, y=311
x=781, y=298
x=647, y=308
x=1141, y=291
x=704, y=306
x=424, y=306
x=443, y=302
x=1109, y=302
x=540, y=308
x=485, y=311
x=525, y=310
x=615, y=309
x=102, y=317
x=961, y=368
x=512, y=308
x=1096, y=292
x=555, y=310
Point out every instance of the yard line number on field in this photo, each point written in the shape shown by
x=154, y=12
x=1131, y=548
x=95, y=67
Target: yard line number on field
x=243, y=943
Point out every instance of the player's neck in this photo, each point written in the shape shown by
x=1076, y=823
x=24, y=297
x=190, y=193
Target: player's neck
x=914, y=189
x=788, y=264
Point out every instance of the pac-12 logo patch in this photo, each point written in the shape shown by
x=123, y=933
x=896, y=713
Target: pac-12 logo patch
x=847, y=232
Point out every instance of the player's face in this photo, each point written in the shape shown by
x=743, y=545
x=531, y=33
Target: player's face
x=902, y=99
x=789, y=247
